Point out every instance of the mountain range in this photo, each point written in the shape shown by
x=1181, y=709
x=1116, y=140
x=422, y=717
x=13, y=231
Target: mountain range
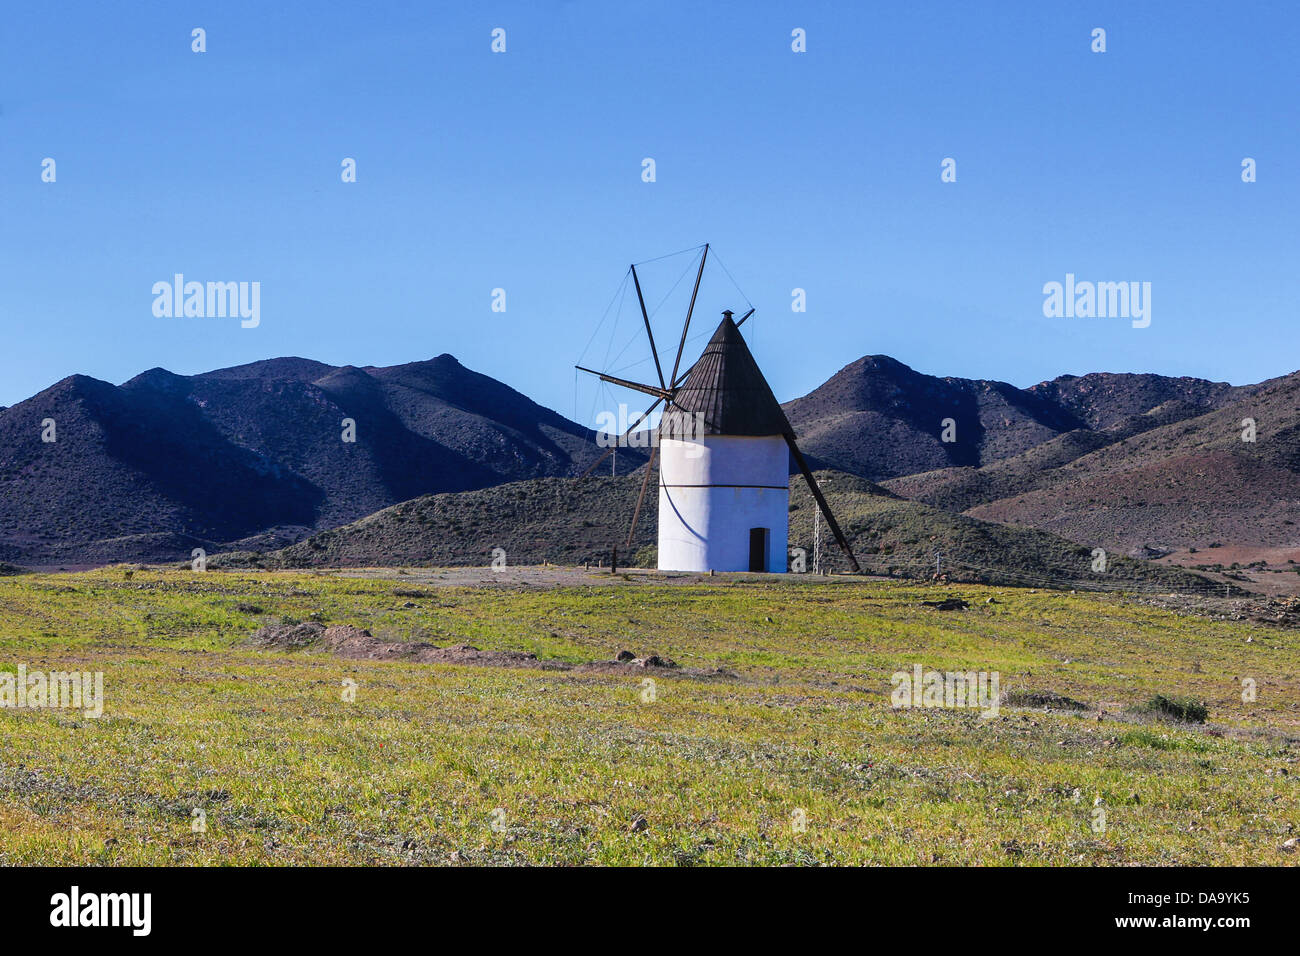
x=254, y=458
x=256, y=455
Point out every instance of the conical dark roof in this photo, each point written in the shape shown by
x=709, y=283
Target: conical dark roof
x=727, y=387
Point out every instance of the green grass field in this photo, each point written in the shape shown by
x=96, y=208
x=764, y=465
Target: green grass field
x=437, y=764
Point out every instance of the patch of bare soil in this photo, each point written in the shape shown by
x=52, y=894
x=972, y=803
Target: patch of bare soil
x=1280, y=612
x=1046, y=699
x=545, y=577
x=1274, y=572
x=947, y=604
x=354, y=643
x=1284, y=612
x=628, y=663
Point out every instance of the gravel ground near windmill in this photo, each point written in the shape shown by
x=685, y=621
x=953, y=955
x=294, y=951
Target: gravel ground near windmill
x=543, y=576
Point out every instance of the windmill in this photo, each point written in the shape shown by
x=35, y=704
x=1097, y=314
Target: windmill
x=726, y=448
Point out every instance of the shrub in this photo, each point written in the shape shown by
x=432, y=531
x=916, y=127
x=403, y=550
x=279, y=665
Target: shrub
x=1176, y=708
x=1041, y=698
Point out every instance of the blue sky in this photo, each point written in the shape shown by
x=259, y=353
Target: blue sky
x=522, y=171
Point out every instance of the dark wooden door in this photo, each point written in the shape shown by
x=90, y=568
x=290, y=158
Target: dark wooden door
x=758, y=549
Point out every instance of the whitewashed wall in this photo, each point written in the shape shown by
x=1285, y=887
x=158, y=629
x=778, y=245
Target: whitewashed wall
x=708, y=501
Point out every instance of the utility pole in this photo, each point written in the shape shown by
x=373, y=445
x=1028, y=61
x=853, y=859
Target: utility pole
x=938, y=563
x=613, y=467
x=817, y=541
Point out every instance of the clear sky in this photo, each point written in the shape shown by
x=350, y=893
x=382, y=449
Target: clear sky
x=523, y=171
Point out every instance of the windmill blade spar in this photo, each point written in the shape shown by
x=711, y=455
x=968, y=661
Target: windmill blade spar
x=626, y=383
x=646, y=318
x=691, y=308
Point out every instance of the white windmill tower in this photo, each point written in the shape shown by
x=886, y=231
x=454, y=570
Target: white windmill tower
x=726, y=448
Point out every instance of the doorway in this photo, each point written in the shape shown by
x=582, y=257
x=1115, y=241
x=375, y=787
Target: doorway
x=758, y=543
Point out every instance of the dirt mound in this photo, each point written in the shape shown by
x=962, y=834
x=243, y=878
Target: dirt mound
x=1041, y=698
x=947, y=604
x=643, y=668
x=354, y=643
x=625, y=662
x=289, y=637
x=468, y=654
